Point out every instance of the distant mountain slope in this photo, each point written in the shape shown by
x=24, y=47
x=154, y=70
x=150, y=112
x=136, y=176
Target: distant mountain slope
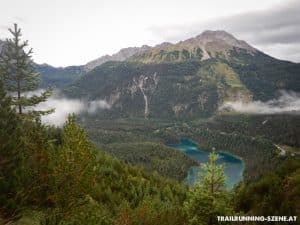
x=55, y=76
x=122, y=55
x=189, y=79
x=58, y=76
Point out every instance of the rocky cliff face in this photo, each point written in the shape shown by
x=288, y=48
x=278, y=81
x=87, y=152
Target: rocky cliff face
x=147, y=86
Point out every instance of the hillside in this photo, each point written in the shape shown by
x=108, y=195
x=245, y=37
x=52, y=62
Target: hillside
x=58, y=76
x=188, y=79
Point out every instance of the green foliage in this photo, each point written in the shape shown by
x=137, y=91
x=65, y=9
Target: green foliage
x=65, y=180
x=168, y=55
x=152, y=211
x=276, y=193
x=281, y=129
x=153, y=157
x=213, y=177
x=11, y=156
x=86, y=211
x=73, y=166
x=206, y=200
x=24, y=162
x=263, y=75
x=18, y=73
x=202, y=207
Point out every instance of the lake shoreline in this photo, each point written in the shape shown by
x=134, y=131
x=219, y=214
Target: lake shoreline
x=234, y=165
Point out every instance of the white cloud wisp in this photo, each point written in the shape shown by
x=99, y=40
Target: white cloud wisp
x=288, y=102
x=64, y=106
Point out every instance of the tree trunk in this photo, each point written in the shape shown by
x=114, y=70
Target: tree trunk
x=19, y=97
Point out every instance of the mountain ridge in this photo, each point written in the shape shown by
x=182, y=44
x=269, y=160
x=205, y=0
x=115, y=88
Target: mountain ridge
x=208, y=44
x=188, y=79
x=121, y=55
x=222, y=38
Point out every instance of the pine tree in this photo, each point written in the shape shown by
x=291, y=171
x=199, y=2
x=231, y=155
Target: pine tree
x=208, y=199
x=213, y=177
x=19, y=76
x=11, y=158
x=74, y=165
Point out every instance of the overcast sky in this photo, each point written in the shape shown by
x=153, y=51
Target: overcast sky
x=73, y=32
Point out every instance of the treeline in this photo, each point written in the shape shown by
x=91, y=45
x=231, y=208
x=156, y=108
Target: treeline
x=153, y=157
x=277, y=193
x=281, y=129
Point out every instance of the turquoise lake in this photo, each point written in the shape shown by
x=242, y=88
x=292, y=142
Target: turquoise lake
x=234, y=166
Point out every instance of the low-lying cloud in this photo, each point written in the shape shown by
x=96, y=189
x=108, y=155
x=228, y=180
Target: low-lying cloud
x=288, y=102
x=64, y=106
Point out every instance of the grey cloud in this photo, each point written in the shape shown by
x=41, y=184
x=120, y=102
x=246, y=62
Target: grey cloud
x=278, y=26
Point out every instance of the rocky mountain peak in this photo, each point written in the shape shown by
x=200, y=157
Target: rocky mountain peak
x=219, y=37
x=122, y=55
x=209, y=42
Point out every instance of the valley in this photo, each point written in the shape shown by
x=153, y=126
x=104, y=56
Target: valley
x=157, y=95
x=142, y=122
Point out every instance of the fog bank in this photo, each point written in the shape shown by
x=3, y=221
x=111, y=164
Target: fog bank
x=288, y=102
x=64, y=106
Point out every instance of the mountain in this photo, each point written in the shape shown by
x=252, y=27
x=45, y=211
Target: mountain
x=122, y=55
x=189, y=79
x=209, y=44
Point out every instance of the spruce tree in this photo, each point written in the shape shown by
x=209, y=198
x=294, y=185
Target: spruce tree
x=11, y=158
x=213, y=177
x=74, y=169
x=208, y=198
x=18, y=73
